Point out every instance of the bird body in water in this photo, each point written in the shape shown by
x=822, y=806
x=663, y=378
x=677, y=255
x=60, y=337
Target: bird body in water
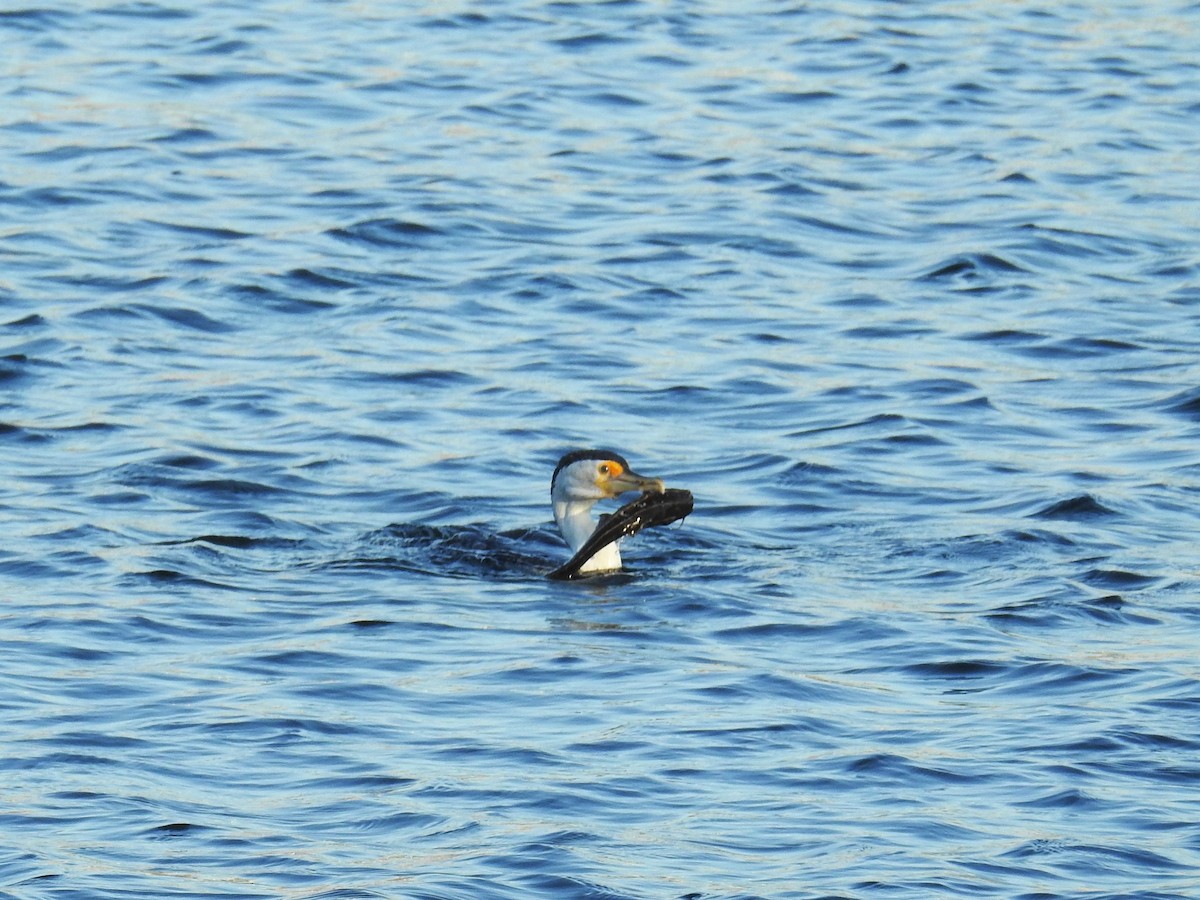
x=582, y=479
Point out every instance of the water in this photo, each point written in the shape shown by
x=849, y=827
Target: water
x=302, y=302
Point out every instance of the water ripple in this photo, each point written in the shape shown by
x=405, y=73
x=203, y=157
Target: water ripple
x=303, y=304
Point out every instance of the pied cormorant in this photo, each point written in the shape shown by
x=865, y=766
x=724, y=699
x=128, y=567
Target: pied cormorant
x=581, y=479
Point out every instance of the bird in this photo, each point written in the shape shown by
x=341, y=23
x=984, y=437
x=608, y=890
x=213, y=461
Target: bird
x=581, y=479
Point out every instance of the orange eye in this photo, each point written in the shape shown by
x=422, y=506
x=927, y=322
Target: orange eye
x=610, y=468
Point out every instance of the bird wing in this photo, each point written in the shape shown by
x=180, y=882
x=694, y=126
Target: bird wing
x=647, y=511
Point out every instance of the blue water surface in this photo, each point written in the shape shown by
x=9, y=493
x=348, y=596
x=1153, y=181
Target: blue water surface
x=301, y=302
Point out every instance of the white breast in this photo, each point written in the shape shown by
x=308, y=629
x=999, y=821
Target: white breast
x=574, y=518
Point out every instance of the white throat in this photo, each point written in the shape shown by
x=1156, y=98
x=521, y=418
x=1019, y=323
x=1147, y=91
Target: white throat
x=574, y=518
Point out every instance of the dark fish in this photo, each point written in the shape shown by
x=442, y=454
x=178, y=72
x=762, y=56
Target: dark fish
x=647, y=511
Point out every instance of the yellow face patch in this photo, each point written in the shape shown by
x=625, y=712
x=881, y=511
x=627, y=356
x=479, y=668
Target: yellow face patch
x=610, y=468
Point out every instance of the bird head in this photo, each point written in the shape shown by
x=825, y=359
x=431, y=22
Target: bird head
x=597, y=475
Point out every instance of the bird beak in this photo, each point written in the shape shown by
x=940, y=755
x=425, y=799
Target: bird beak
x=632, y=481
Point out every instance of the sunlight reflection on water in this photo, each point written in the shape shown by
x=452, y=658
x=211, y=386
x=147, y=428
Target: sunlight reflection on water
x=302, y=305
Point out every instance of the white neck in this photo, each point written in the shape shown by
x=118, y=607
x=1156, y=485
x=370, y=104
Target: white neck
x=574, y=518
